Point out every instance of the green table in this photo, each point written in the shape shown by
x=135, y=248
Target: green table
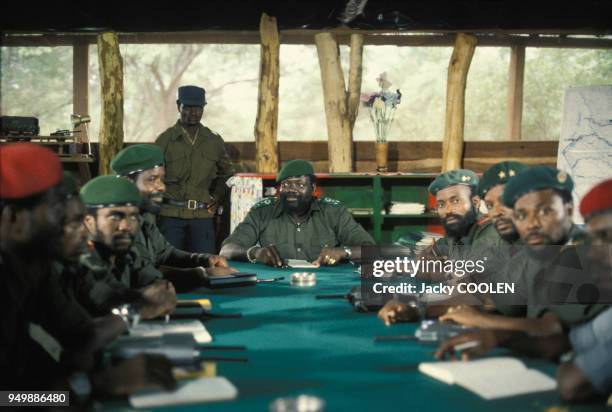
x=300, y=345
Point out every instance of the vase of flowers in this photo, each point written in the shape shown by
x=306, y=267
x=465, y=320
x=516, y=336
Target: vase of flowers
x=381, y=107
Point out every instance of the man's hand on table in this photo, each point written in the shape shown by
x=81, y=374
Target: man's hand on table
x=158, y=299
x=268, y=256
x=464, y=315
x=331, y=256
x=216, y=261
x=394, y=311
x=484, y=341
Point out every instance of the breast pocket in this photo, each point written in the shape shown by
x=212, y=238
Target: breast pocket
x=323, y=241
x=177, y=167
x=207, y=166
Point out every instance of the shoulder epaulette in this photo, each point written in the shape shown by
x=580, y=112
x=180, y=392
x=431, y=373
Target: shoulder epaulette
x=266, y=201
x=329, y=201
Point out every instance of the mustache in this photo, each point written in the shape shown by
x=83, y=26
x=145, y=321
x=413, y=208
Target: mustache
x=453, y=216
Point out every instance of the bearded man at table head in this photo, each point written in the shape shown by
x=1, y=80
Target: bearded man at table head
x=297, y=225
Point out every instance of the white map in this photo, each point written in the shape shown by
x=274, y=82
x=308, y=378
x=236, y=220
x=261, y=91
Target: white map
x=585, y=145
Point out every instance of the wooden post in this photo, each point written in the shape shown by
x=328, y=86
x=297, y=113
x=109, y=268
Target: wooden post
x=354, y=84
x=458, y=67
x=111, y=85
x=80, y=96
x=340, y=109
x=516, y=76
x=266, y=125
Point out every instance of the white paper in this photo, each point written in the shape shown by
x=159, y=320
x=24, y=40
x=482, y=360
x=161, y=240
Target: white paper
x=158, y=328
x=196, y=391
x=300, y=264
x=490, y=378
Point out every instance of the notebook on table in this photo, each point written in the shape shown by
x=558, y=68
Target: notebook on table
x=490, y=378
x=208, y=389
x=158, y=328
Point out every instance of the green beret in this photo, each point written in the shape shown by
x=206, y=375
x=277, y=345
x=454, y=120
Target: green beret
x=69, y=185
x=295, y=168
x=454, y=177
x=499, y=174
x=536, y=178
x=137, y=158
x=109, y=191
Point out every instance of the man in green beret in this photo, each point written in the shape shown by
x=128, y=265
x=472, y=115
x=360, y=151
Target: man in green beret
x=197, y=167
x=297, y=225
x=143, y=164
x=457, y=204
x=541, y=198
x=112, y=221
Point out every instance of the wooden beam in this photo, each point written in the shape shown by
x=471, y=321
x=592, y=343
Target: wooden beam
x=111, y=85
x=266, y=124
x=336, y=110
x=516, y=76
x=80, y=96
x=494, y=38
x=354, y=81
x=458, y=67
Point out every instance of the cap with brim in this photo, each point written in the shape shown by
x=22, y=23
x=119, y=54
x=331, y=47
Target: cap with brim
x=295, y=168
x=191, y=96
x=499, y=174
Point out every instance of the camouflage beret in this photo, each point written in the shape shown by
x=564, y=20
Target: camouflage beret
x=137, y=158
x=454, y=177
x=109, y=191
x=499, y=174
x=295, y=168
x=536, y=178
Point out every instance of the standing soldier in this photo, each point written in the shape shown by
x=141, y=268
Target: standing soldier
x=197, y=167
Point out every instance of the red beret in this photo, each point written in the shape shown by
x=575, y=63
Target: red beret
x=27, y=169
x=599, y=198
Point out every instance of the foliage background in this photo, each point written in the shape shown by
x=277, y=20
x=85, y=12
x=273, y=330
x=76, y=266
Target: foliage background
x=38, y=82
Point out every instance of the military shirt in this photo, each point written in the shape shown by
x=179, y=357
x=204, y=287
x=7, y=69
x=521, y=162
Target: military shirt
x=193, y=172
x=106, y=285
x=328, y=223
x=31, y=296
x=154, y=250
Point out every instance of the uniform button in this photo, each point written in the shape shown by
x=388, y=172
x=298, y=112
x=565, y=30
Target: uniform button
x=299, y=230
x=299, y=249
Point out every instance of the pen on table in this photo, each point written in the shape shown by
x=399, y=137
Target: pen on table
x=394, y=338
x=270, y=280
x=467, y=345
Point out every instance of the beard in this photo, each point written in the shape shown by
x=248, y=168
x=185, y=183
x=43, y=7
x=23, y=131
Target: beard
x=506, y=229
x=150, y=205
x=300, y=204
x=461, y=225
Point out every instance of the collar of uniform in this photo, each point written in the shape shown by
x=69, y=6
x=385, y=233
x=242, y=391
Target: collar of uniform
x=179, y=130
x=278, y=207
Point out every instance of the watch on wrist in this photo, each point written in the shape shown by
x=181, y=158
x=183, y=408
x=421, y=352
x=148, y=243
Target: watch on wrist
x=248, y=254
x=349, y=253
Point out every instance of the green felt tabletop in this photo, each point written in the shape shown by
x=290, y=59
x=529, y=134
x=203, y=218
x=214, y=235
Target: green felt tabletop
x=300, y=345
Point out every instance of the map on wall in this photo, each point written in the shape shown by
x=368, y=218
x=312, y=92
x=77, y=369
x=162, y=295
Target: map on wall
x=585, y=145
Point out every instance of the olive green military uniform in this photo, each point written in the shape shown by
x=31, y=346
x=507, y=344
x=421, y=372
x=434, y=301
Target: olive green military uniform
x=32, y=296
x=152, y=248
x=555, y=283
x=104, y=285
x=193, y=172
x=328, y=224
